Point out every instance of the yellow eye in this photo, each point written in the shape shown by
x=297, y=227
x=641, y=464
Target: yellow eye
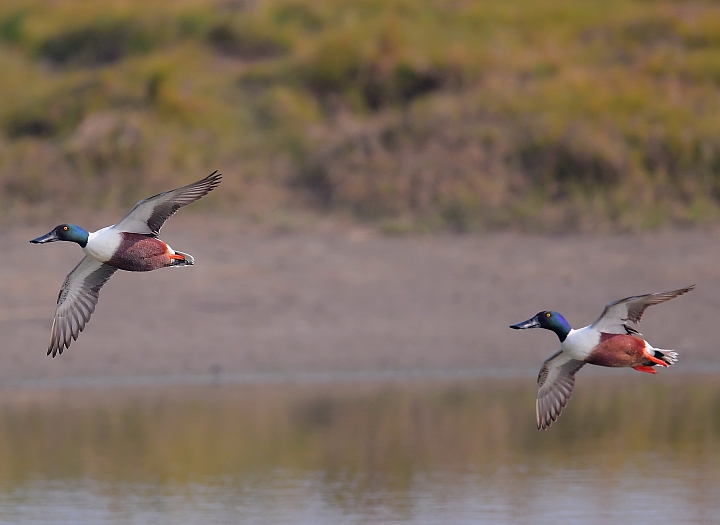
x=547, y=314
x=65, y=228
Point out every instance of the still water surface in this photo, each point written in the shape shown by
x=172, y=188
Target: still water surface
x=628, y=449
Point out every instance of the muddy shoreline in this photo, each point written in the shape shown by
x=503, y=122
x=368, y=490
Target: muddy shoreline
x=349, y=301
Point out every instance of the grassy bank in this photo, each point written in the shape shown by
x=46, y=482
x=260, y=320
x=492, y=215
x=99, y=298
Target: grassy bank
x=411, y=115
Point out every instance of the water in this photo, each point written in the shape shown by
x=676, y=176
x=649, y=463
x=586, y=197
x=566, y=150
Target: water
x=628, y=449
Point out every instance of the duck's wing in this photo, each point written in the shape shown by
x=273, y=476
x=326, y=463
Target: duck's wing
x=555, y=384
x=148, y=215
x=76, y=302
x=616, y=314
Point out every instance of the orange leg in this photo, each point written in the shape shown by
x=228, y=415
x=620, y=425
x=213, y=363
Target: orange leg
x=176, y=257
x=648, y=369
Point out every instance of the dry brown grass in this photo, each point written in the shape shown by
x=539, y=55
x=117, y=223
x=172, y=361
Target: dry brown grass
x=542, y=116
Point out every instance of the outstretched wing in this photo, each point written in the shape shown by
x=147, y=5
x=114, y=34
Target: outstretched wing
x=76, y=302
x=616, y=314
x=148, y=215
x=555, y=386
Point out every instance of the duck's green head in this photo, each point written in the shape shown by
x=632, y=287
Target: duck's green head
x=548, y=320
x=64, y=232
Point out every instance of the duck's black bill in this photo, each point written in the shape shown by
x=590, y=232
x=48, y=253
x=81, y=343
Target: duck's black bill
x=48, y=237
x=530, y=323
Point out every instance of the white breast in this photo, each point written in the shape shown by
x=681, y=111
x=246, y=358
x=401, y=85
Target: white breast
x=579, y=343
x=103, y=243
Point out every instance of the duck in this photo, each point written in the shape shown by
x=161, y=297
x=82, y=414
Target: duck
x=132, y=244
x=610, y=341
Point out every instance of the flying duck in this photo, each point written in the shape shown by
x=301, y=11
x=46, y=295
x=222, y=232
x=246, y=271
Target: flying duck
x=609, y=341
x=130, y=245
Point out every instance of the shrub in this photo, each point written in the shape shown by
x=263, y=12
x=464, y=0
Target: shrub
x=245, y=42
x=12, y=27
x=96, y=45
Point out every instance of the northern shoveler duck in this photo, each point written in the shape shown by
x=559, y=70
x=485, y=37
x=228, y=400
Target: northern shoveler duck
x=130, y=245
x=609, y=341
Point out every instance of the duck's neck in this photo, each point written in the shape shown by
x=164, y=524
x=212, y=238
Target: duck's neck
x=561, y=327
x=80, y=236
x=562, y=334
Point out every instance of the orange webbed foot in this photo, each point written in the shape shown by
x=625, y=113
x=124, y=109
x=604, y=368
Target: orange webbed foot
x=657, y=361
x=648, y=369
x=176, y=257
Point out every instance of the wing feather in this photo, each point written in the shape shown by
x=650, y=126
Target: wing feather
x=555, y=386
x=148, y=215
x=76, y=302
x=631, y=309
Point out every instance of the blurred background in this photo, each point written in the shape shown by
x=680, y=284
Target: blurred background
x=413, y=115
x=402, y=181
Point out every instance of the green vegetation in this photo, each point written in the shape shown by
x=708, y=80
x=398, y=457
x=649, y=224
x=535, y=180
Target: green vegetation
x=408, y=114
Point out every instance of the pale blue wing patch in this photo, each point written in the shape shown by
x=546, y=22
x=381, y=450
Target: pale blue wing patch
x=148, y=215
x=616, y=314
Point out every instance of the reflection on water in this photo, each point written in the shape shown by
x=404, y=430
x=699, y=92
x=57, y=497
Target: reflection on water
x=642, y=450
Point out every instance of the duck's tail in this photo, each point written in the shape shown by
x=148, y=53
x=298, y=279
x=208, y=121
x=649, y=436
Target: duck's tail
x=657, y=356
x=669, y=357
x=181, y=259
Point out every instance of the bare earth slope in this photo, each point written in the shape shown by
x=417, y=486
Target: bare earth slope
x=352, y=301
